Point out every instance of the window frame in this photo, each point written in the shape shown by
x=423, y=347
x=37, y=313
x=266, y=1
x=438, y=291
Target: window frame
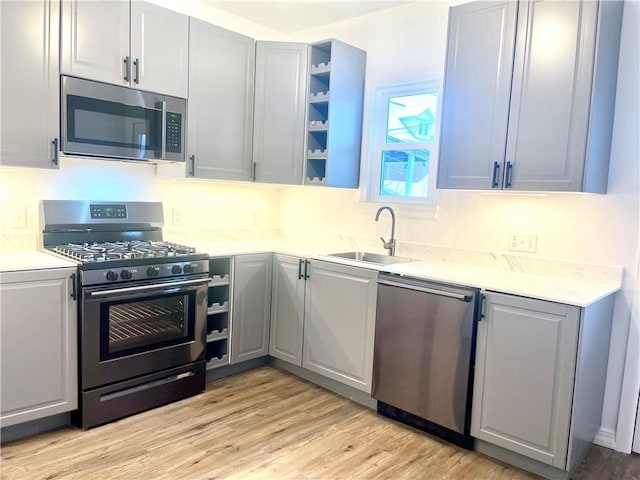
x=377, y=141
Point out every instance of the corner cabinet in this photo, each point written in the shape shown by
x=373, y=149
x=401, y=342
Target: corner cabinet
x=339, y=322
x=334, y=123
x=529, y=95
x=279, y=110
x=30, y=83
x=251, y=306
x=131, y=43
x=221, y=93
x=539, y=378
x=38, y=348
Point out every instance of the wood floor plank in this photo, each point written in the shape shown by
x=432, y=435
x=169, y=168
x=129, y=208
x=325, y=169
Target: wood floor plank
x=263, y=424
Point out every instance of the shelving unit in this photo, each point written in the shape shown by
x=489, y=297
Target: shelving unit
x=334, y=114
x=218, y=310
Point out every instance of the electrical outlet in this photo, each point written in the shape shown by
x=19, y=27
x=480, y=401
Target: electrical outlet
x=523, y=242
x=176, y=216
x=254, y=218
x=18, y=217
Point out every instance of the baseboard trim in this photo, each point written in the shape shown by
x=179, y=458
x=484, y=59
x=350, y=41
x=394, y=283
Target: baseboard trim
x=606, y=438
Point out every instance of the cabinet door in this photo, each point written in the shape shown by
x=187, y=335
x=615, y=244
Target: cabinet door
x=523, y=386
x=279, y=114
x=159, y=49
x=38, y=345
x=287, y=309
x=94, y=40
x=251, y=307
x=30, y=91
x=340, y=312
x=475, y=105
x=552, y=80
x=221, y=78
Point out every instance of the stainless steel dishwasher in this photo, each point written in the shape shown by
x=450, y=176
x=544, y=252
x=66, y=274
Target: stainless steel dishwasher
x=424, y=355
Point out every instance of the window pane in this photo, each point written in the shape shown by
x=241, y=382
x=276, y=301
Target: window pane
x=404, y=173
x=411, y=118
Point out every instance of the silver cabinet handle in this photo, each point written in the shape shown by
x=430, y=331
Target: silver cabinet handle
x=253, y=175
x=494, y=179
x=192, y=166
x=136, y=77
x=508, y=174
x=127, y=69
x=54, y=156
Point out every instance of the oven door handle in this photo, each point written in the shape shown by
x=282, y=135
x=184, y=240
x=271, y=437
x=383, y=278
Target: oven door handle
x=148, y=288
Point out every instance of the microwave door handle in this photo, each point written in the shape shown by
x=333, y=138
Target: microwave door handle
x=163, y=154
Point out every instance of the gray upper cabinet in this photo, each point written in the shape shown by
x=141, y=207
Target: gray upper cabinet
x=279, y=112
x=137, y=44
x=550, y=361
x=251, y=306
x=287, y=309
x=475, y=105
x=547, y=78
x=339, y=323
x=334, y=123
x=220, y=118
x=30, y=94
x=38, y=346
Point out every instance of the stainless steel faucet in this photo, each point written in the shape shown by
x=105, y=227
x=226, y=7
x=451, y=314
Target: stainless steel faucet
x=391, y=244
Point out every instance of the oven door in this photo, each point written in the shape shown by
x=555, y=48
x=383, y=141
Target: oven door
x=134, y=329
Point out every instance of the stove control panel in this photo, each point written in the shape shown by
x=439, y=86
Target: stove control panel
x=142, y=272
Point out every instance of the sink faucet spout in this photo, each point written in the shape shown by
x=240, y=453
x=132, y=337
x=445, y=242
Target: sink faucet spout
x=391, y=244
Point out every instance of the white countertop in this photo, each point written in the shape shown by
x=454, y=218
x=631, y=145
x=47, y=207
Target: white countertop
x=577, y=284
x=31, y=260
x=581, y=286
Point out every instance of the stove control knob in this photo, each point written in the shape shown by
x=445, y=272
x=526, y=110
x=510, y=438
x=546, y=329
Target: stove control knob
x=176, y=269
x=153, y=271
x=125, y=274
x=188, y=268
x=111, y=275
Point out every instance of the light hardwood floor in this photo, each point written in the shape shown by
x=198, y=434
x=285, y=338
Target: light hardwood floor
x=261, y=424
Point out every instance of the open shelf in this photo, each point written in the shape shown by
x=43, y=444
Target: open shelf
x=217, y=354
x=335, y=99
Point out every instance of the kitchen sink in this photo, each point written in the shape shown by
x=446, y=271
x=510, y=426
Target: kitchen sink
x=368, y=257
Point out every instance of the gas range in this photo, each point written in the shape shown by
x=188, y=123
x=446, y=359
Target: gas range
x=116, y=241
x=142, y=306
x=122, y=250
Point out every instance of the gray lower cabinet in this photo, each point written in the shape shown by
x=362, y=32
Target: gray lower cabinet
x=30, y=83
x=221, y=79
x=251, y=306
x=279, y=112
x=529, y=95
x=287, y=308
x=539, y=377
x=339, y=322
x=38, y=346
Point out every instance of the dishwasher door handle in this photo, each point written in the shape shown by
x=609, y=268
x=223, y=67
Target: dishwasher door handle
x=458, y=296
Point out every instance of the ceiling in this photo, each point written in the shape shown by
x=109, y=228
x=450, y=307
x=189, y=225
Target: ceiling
x=292, y=16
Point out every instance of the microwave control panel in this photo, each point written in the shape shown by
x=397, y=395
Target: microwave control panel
x=174, y=132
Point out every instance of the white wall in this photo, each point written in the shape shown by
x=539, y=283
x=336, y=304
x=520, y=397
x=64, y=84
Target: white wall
x=408, y=43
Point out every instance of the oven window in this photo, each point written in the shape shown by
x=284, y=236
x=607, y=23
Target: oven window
x=142, y=325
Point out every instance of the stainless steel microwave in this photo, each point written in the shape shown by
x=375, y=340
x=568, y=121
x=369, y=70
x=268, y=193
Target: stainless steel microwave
x=109, y=121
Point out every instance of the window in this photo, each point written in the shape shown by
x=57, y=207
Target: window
x=402, y=153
